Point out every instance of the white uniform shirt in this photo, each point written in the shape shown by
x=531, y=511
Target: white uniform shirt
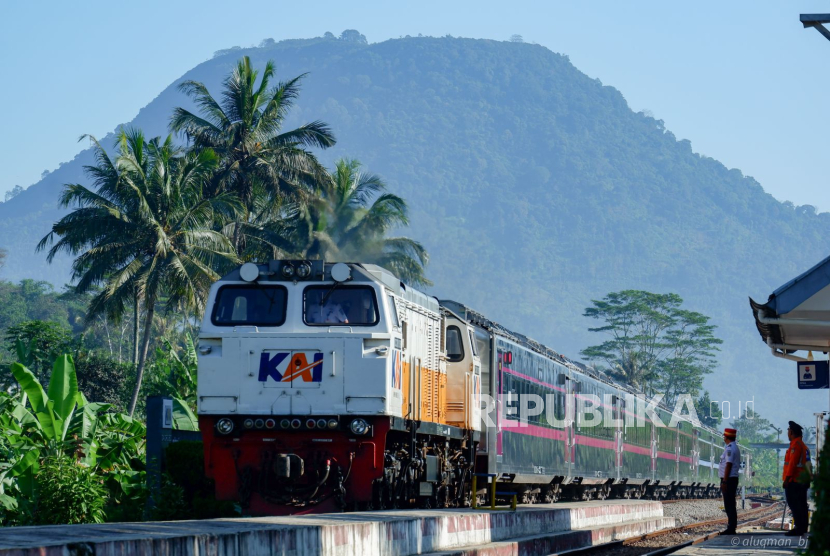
x=731, y=454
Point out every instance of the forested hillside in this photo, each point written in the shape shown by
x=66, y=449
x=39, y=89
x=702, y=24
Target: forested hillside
x=534, y=187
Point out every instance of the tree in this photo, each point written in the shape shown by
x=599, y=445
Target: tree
x=350, y=35
x=691, y=346
x=38, y=343
x=347, y=219
x=636, y=321
x=258, y=162
x=655, y=345
x=3, y=255
x=103, y=379
x=516, y=38
x=751, y=428
x=708, y=411
x=14, y=192
x=146, y=233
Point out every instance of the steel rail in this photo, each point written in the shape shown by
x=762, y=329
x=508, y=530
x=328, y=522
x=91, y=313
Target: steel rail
x=587, y=550
x=698, y=540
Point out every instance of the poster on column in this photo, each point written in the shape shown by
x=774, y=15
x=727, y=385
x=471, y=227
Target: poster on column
x=813, y=375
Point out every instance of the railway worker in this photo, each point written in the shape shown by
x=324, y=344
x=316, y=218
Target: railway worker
x=329, y=312
x=730, y=463
x=797, y=478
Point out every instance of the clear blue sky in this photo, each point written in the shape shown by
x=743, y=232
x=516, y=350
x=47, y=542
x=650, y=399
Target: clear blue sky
x=741, y=79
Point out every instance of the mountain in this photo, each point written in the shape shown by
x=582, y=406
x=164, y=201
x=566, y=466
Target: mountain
x=535, y=189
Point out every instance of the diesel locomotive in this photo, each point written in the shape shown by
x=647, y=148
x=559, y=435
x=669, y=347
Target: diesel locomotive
x=335, y=386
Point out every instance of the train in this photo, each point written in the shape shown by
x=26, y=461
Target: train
x=331, y=386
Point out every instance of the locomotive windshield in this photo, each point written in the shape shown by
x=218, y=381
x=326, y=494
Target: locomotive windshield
x=250, y=305
x=352, y=305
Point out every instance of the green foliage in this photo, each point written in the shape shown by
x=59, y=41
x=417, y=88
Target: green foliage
x=103, y=379
x=60, y=423
x=58, y=323
x=144, y=231
x=708, y=412
x=819, y=532
x=186, y=493
x=655, y=345
x=752, y=427
x=170, y=504
x=347, y=218
x=37, y=344
x=173, y=373
x=68, y=492
x=259, y=163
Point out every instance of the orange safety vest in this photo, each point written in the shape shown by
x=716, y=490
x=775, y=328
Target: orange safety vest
x=795, y=462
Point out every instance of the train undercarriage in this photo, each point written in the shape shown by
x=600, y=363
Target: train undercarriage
x=421, y=465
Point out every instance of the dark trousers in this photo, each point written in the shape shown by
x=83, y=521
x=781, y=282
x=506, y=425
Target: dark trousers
x=730, y=502
x=797, y=501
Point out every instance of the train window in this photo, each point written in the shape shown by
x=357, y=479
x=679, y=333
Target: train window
x=249, y=305
x=393, y=312
x=455, y=347
x=472, y=342
x=352, y=305
x=559, y=407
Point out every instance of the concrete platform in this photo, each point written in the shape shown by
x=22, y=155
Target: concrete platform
x=768, y=544
x=388, y=533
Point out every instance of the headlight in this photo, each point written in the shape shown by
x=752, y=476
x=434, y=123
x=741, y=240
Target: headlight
x=332, y=423
x=359, y=427
x=304, y=270
x=224, y=426
x=288, y=270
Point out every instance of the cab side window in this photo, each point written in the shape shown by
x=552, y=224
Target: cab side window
x=455, y=347
x=393, y=312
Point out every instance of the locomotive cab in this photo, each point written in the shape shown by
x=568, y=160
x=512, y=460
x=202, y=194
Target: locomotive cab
x=277, y=341
x=463, y=374
x=324, y=386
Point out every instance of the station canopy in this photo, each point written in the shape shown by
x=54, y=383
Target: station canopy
x=796, y=317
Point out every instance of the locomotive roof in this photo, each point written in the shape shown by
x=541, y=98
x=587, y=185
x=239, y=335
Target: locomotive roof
x=363, y=272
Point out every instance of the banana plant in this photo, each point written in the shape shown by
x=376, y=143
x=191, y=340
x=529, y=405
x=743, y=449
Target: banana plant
x=61, y=420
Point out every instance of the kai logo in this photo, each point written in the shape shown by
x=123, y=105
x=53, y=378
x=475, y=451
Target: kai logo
x=287, y=366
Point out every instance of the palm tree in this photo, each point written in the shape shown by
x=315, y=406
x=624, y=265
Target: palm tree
x=347, y=219
x=144, y=231
x=258, y=161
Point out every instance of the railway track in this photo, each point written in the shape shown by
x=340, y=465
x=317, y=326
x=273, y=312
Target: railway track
x=670, y=540
x=762, y=499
